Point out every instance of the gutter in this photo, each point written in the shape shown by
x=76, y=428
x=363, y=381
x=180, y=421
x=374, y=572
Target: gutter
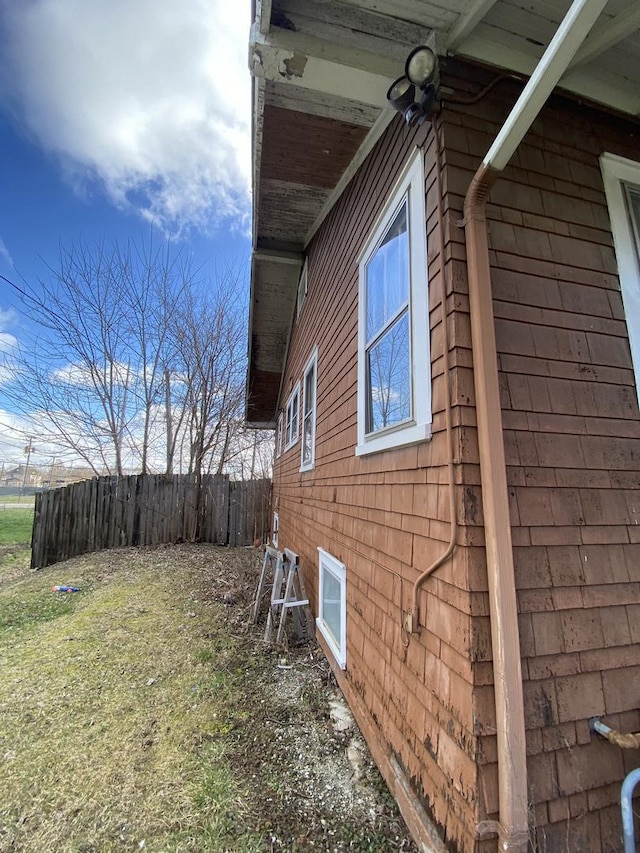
x=512, y=827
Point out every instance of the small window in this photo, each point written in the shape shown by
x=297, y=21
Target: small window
x=394, y=371
x=274, y=533
x=291, y=418
x=622, y=189
x=279, y=435
x=302, y=289
x=309, y=413
x=332, y=615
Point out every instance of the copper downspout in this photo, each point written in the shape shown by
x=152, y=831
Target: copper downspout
x=512, y=768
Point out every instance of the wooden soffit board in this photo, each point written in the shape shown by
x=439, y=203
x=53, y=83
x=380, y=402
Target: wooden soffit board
x=321, y=71
x=303, y=148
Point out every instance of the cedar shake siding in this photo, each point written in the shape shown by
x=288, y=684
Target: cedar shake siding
x=572, y=442
x=385, y=516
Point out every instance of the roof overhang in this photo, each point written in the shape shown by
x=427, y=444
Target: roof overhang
x=321, y=72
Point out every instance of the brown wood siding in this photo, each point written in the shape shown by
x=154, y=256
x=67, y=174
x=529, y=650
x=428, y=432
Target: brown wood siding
x=572, y=440
x=386, y=515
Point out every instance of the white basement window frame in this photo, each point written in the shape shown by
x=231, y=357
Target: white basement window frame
x=393, y=322
x=274, y=531
x=332, y=605
x=622, y=189
x=292, y=412
x=309, y=394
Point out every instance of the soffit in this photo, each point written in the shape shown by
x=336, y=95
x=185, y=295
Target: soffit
x=321, y=71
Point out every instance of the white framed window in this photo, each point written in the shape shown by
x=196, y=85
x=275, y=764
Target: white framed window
x=291, y=417
x=394, y=370
x=279, y=426
x=332, y=605
x=309, y=383
x=274, y=530
x=303, y=285
x=622, y=189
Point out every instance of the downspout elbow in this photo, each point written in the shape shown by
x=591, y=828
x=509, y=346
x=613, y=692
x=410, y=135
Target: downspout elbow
x=475, y=201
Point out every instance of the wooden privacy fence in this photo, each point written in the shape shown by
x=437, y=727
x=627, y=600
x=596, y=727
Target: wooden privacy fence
x=146, y=509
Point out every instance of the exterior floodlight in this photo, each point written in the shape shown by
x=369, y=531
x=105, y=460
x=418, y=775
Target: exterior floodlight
x=420, y=66
x=401, y=94
x=421, y=72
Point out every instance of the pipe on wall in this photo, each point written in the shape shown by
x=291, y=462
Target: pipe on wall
x=511, y=742
x=412, y=623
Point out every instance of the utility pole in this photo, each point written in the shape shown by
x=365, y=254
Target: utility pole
x=28, y=450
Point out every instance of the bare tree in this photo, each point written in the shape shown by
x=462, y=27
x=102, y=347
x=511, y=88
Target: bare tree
x=74, y=375
x=138, y=363
x=209, y=368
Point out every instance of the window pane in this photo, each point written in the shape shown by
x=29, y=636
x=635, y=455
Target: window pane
x=331, y=605
x=633, y=196
x=309, y=387
x=307, y=438
x=389, y=377
x=387, y=276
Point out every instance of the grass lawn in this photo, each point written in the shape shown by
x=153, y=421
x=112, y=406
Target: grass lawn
x=21, y=500
x=111, y=722
x=141, y=713
x=15, y=526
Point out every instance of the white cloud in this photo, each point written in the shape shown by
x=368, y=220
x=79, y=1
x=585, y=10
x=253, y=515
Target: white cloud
x=4, y=253
x=8, y=343
x=150, y=98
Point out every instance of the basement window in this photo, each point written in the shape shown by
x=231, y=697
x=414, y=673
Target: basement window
x=309, y=413
x=332, y=607
x=291, y=418
x=394, y=371
x=622, y=189
x=274, y=531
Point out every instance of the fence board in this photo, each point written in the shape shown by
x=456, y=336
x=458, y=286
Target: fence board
x=147, y=509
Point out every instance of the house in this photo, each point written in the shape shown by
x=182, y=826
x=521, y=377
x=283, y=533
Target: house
x=445, y=332
x=20, y=476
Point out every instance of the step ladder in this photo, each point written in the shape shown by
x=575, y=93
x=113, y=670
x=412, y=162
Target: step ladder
x=267, y=575
x=287, y=594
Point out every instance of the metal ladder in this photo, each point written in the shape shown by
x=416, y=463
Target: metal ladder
x=287, y=594
x=267, y=575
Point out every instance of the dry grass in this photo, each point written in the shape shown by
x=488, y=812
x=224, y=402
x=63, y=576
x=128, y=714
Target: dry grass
x=110, y=722
x=139, y=713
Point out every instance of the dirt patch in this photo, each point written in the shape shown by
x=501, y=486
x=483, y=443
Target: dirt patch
x=145, y=713
x=313, y=780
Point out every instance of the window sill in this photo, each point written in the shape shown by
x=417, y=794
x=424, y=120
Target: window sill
x=390, y=440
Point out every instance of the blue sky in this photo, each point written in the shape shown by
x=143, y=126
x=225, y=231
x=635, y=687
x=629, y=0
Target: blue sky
x=117, y=118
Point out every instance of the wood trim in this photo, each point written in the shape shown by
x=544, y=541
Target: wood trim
x=467, y=22
x=618, y=28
